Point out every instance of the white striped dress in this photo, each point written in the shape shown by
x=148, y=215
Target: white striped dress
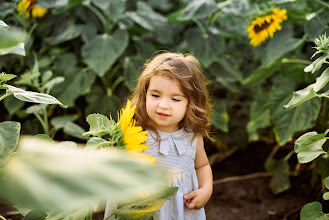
x=176, y=152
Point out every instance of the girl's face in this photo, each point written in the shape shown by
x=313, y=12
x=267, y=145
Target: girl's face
x=165, y=103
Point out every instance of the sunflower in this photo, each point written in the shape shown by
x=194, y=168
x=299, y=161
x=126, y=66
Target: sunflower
x=265, y=26
x=133, y=136
x=29, y=9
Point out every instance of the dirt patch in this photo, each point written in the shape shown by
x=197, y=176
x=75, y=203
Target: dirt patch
x=252, y=198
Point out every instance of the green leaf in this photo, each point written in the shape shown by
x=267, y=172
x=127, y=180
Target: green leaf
x=326, y=183
x=113, y=9
x=199, y=9
x=76, y=84
x=317, y=26
x=219, y=116
x=60, y=121
x=35, y=97
x=18, y=49
x=71, y=32
x=51, y=3
x=99, y=125
x=69, y=178
x=43, y=137
x=313, y=211
x=6, y=77
x=309, y=146
x=3, y=26
x=147, y=208
x=74, y=130
x=280, y=179
x=11, y=38
x=36, y=109
x=316, y=64
x=154, y=21
x=101, y=52
x=301, y=96
x=206, y=48
x=12, y=104
x=50, y=84
x=302, y=138
x=6, y=8
x=96, y=142
x=288, y=121
x=36, y=215
x=9, y=134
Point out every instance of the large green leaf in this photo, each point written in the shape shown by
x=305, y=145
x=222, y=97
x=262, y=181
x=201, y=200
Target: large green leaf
x=153, y=21
x=313, y=211
x=78, y=83
x=147, y=208
x=51, y=3
x=206, y=48
x=197, y=9
x=44, y=176
x=70, y=32
x=288, y=121
x=28, y=96
x=114, y=9
x=317, y=25
x=9, y=134
x=74, y=130
x=101, y=52
x=18, y=49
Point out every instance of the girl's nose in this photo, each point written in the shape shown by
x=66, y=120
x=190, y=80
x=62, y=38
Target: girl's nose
x=164, y=104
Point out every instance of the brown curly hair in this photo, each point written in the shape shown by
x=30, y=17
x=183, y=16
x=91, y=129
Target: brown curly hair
x=187, y=70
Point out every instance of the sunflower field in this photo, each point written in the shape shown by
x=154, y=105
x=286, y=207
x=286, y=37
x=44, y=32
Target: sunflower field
x=67, y=67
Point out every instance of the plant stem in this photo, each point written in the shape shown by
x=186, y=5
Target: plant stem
x=89, y=216
x=321, y=2
x=286, y=60
x=42, y=123
x=5, y=95
x=109, y=215
x=101, y=17
x=45, y=119
x=286, y=158
x=3, y=218
x=200, y=25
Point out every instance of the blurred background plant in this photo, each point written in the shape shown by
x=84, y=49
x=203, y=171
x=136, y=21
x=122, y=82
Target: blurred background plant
x=89, y=54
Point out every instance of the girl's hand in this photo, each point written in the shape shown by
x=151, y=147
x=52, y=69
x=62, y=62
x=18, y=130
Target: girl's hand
x=197, y=199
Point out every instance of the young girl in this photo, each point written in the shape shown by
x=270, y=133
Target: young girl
x=173, y=105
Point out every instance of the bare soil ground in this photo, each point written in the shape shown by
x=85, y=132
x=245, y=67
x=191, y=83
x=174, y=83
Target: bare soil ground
x=244, y=199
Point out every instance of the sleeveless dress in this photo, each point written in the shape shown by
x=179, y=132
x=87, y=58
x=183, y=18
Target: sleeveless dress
x=176, y=153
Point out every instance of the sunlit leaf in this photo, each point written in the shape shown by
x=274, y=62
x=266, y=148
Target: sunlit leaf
x=11, y=38
x=3, y=26
x=18, y=49
x=197, y=9
x=99, y=125
x=313, y=211
x=28, y=96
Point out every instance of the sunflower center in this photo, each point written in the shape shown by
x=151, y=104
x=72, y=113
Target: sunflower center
x=258, y=28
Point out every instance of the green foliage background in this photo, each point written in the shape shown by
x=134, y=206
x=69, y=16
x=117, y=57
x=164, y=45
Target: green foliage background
x=88, y=54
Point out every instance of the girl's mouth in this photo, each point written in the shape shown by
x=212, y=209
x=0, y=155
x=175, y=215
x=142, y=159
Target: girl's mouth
x=163, y=115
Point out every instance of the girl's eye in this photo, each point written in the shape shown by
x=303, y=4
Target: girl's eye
x=175, y=100
x=156, y=96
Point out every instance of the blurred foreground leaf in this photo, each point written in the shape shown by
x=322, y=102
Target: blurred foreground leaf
x=47, y=177
x=146, y=208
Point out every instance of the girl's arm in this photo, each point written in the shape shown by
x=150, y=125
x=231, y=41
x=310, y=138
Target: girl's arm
x=198, y=198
